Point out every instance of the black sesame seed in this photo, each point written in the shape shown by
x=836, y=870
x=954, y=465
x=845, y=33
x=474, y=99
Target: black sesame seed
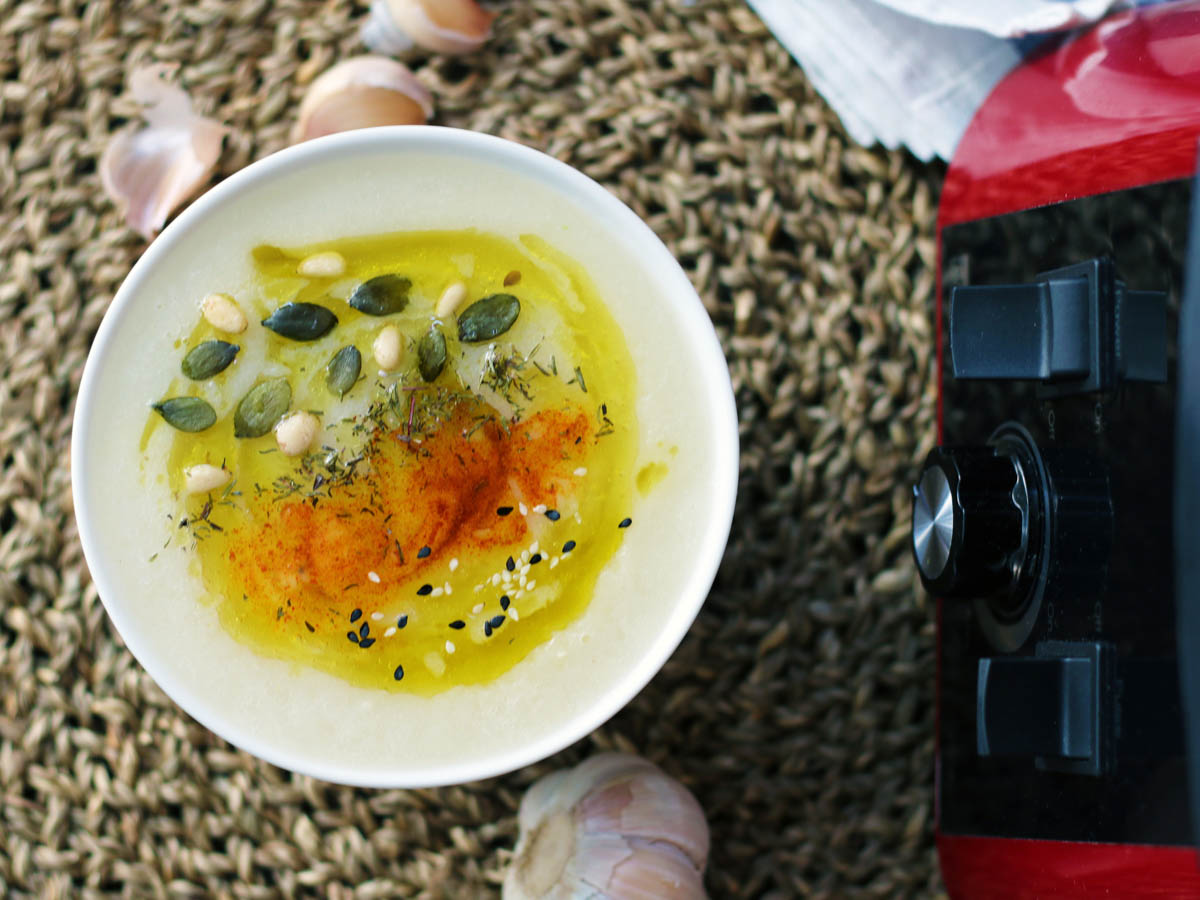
x=496, y=621
x=423, y=552
x=356, y=615
x=458, y=624
x=366, y=642
x=402, y=621
x=365, y=630
x=504, y=601
x=535, y=559
x=510, y=565
x=424, y=590
x=352, y=636
x=504, y=510
x=625, y=523
x=487, y=629
x=399, y=673
x=308, y=625
x=553, y=515
x=568, y=546
x=604, y=409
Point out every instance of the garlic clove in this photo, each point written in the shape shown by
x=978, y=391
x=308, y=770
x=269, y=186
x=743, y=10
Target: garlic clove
x=447, y=26
x=616, y=824
x=635, y=869
x=654, y=871
x=648, y=804
x=150, y=172
x=362, y=92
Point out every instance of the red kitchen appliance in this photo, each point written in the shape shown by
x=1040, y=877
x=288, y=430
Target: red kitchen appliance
x=1058, y=520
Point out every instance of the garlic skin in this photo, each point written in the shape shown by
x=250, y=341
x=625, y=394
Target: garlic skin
x=615, y=826
x=362, y=92
x=150, y=172
x=447, y=26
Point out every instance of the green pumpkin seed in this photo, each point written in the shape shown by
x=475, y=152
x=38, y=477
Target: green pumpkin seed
x=301, y=321
x=262, y=408
x=207, y=359
x=186, y=413
x=431, y=354
x=383, y=295
x=488, y=318
x=343, y=369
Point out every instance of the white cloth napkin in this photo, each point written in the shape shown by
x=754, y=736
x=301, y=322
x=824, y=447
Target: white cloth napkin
x=913, y=72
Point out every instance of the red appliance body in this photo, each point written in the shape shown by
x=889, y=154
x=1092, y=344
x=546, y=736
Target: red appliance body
x=1112, y=108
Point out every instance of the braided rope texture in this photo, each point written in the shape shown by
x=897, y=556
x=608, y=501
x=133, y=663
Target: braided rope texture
x=798, y=709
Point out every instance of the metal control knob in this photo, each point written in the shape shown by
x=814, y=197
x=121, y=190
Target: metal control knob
x=972, y=522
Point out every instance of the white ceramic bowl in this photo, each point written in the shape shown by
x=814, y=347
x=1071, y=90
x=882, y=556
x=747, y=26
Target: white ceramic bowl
x=370, y=182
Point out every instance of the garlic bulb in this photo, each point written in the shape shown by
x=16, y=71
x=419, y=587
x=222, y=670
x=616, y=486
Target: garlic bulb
x=447, y=26
x=150, y=172
x=616, y=827
x=362, y=92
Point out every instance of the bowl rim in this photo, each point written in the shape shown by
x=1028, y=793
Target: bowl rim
x=557, y=176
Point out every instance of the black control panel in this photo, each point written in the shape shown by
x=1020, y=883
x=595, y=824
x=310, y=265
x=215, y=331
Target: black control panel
x=1044, y=522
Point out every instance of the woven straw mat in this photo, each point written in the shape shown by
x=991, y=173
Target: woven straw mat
x=799, y=707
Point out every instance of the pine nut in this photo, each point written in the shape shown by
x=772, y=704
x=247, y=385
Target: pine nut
x=203, y=478
x=222, y=313
x=295, y=433
x=451, y=299
x=322, y=265
x=388, y=348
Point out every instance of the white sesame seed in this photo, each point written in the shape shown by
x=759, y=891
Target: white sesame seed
x=377, y=616
x=581, y=471
x=477, y=609
x=437, y=592
x=540, y=508
x=524, y=570
x=390, y=631
x=373, y=576
x=512, y=614
x=535, y=547
x=450, y=646
x=531, y=586
x=449, y=590
x=518, y=595
x=454, y=564
x=496, y=579
x=523, y=509
x=478, y=588
x=525, y=554
x=524, y=578
x=553, y=561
